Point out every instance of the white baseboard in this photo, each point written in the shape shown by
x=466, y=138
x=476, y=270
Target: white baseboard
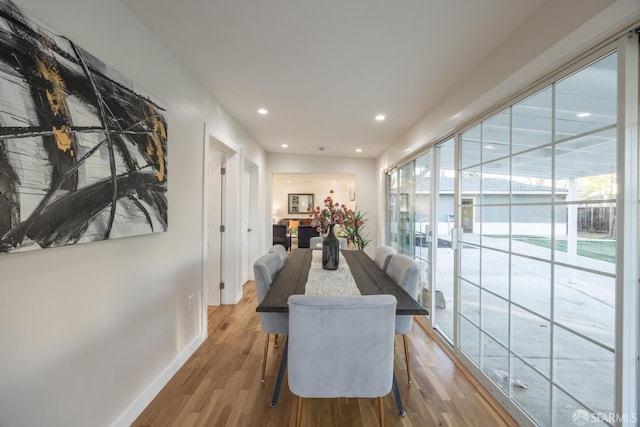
x=136, y=408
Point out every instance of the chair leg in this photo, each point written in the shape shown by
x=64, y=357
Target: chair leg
x=275, y=345
x=406, y=357
x=381, y=411
x=396, y=395
x=299, y=414
x=264, y=356
x=283, y=367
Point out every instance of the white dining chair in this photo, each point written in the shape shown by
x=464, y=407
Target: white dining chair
x=265, y=270
x=383, y=256
x=341, y=347
x=316, y=242
x=343, y=243
x=405, y=272
x=281, y=251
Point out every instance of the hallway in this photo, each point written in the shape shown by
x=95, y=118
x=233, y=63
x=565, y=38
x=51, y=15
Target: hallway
x=220, y=385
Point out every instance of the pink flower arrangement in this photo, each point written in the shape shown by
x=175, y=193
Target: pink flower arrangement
x=351, y=222
x=332, y=213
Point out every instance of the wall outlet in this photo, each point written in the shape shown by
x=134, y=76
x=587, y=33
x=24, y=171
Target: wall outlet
x=190, y=303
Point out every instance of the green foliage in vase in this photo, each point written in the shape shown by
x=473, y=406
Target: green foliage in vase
x=352, y=230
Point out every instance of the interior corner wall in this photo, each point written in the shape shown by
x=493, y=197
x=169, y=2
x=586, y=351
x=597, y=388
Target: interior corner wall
x=363, y=169
x=319, y=190
x=91, y=332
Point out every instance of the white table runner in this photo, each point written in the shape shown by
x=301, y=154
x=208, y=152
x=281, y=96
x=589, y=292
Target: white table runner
x=338, y=282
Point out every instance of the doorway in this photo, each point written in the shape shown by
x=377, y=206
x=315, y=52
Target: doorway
x=230, y=214
x=215, y=198
x=249, y=237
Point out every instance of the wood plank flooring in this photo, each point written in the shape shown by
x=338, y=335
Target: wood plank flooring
x=220, y=385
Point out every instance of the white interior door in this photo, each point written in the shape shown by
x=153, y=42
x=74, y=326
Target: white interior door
x=245, y=227
x=214, y=236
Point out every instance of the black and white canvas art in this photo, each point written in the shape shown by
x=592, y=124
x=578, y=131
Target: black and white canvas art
x=83, y=153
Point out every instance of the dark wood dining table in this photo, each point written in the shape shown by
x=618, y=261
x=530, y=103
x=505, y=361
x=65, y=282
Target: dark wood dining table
x=369, y=278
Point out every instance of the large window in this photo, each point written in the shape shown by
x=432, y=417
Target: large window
x=540, y=281
x=519, y=236
x=443, y=259
x=422, y=228
x=406, y=209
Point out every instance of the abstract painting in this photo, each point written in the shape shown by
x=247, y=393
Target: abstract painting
x=83, y=152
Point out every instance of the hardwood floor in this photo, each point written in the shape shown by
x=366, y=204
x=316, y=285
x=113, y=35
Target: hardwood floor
x=220, y=385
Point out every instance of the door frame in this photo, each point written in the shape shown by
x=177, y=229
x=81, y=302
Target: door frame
x=236, y=165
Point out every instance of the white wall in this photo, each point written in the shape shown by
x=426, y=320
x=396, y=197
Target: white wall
x=363, y=169
x=90, y=333
x=320, y=191
x=558, y=32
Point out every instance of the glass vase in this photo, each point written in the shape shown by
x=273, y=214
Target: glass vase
x=330, y=250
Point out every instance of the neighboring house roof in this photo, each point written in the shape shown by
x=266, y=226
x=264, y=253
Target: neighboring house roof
x=472, y=184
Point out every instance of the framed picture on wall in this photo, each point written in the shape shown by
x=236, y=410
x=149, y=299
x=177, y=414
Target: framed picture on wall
x=83, y=153
x=300, y=203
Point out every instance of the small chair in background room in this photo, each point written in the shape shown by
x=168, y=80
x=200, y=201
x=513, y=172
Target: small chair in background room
x=383, y=256
x=305, y=233
x=265, y=270
x=405, y=272
x=341, y=347
x=280, y=236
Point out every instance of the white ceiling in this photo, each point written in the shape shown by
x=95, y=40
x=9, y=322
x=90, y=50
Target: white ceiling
x=324, y=69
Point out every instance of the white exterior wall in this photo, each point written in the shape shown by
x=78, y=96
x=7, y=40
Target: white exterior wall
x=90, y=333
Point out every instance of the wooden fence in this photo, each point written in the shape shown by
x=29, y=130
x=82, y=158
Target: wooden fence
x=597, y=219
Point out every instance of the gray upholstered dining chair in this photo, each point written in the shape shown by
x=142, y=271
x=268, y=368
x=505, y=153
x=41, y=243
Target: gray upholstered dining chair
x=383, y=256
x=341, y=347
x=280, y=251
x=265, y=270
x=405, y=272
x=316, y=242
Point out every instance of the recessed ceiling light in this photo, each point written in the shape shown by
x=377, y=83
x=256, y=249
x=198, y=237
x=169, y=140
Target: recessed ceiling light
x=358, y=150
x=489, y=147
x=583, y=115
x=284, y=145
x=263, y=111
x=380, y=117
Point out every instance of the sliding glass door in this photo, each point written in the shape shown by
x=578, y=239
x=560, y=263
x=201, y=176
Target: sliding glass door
x=526, y=225
x=442, y=241
x=538, y=259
